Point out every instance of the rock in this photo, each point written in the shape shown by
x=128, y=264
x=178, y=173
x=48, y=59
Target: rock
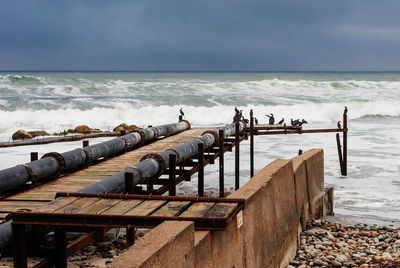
x=386, y=256
x=335, y=263
x=341, y=258
x=38, y=133
x=111, y=260
x=106, y=255
x=83, y=129
x=75, y=258
x=126, y=128
x=21, y=135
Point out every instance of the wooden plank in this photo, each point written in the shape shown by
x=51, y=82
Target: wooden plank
x=77, y=204
x=172, y=208
x=2, y=216
x=8, y=206
x=99, y=206
x=122, y=207
x=57, y=204
x=146, y=207
x=198, y=209
x=221, y=210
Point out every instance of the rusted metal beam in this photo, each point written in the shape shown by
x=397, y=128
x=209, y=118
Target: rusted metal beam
x=147, y=197
x=85, y=143
x=172, y=175
x=251, y=144
x=300, y=131
x=339, y=147
x=221, y=163
x=345, y=142
x=60, y=255
x=237, y=156
x=19, y=246
x=34, y=156
x=200, y=185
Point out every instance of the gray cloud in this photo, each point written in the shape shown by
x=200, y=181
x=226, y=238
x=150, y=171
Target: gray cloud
x=199, y=35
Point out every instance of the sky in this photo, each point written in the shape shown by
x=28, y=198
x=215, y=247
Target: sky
x=202, y=35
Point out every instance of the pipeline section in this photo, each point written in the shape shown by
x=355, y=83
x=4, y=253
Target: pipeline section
x=153, y=165
x=53, y=163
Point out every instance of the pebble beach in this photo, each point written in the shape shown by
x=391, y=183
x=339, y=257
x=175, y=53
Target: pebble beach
x=332, y=244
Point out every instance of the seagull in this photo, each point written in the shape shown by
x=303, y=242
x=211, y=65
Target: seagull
x=181, y=111
x=338, y=125
x=271, y=119
x=280, y=122
x=256, y=120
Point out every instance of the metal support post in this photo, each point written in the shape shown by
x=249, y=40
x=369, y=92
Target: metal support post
x=251, y=144
x=19, y=246
x=345, y=142
x=85, y=143
x=130, y=236
x=201, y=170
x=129, y=183
x=180, y=118
x=237, y=156
x=34, y=156
x=60, y=256
x=339, y=147
x=172, y=175
x=221, y=137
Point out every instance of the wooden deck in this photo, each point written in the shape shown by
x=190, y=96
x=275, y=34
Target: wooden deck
x=38, y=196
x=116, y=210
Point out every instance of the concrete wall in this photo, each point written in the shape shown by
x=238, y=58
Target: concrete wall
x=280, y=199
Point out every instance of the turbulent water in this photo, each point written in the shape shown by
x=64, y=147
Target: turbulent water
x=58, y=101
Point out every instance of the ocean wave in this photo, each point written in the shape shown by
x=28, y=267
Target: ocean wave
x=106, y=118
x=17, y=78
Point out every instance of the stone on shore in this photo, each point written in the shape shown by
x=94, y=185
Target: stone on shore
x=126, y=128
x=85, y=129
x=21, y=135
x=38, y=133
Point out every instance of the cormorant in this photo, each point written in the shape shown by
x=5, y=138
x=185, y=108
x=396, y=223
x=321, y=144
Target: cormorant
x=292, y=122
x=181, y=111
x=338, y=125
x=280, y=122
x=236, y=110
x=271, y=119
x=345, y=109
x=256, y=120
x=300, y=123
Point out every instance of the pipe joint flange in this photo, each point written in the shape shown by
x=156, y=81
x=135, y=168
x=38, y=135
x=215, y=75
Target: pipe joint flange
x=58, y=157
x=32, y=175
x=142, y=137
x=160, y=161
x=176, y=152
x=87, y=154
x=187, y=122
x=128, y=145
x=212, y=132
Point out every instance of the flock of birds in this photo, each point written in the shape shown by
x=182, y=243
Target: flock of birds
x=271, y=121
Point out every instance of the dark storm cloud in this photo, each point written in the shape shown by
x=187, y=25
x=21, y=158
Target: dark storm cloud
x=199, y=35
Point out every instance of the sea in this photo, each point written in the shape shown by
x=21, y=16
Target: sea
x=56, y=101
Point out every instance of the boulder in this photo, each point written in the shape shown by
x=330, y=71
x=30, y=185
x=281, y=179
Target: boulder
x=126, y=128
x=21, y=135
x=38, y=133
x=83, y=129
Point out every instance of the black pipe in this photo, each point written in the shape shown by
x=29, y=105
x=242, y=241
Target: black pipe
x=52, y=163
x=156, y=164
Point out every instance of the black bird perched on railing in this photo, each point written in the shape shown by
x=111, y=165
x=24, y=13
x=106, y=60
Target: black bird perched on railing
x=256, y=120
x=181, y=111
x=236, y=110
x=296, y=122
x=345, y=109
x=339, y=126
x=292, y=122
x=271, y=119
x=281, y=122
x=302, y=122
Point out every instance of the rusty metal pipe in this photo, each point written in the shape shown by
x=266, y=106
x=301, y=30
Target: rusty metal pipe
x=153, y=165
x=52, y=163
